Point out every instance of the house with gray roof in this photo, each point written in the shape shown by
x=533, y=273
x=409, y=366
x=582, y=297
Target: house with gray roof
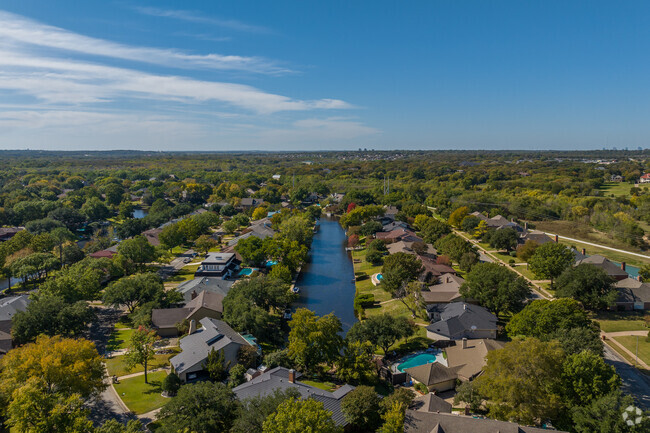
x=430, y=422
x=9, y=307
x=218, y=265
x=260, y=231
x=445, y=291
x=282, y=378
x=459, y=320
x=249, y=202
x=205, y=304
x=632, y=295
x=7, y=233
x=612, y=269
x=431, y=403
x=214, y=334
x=191, y=288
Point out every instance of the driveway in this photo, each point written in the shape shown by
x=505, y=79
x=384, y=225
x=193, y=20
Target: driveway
x=635, y=383
x=176, y=264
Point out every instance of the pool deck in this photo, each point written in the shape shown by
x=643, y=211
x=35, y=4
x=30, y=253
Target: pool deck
x=375, y=280
x=437, y=352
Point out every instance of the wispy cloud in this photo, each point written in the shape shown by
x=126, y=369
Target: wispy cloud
x=20, y=30
x=332, y=128
x=194, y=17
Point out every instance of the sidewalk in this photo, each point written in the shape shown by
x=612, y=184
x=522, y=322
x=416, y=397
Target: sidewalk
x=610, y=341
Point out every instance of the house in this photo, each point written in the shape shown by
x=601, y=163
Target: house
x=535, y=236
x=431, y=403
x=416, y=421
x=616, y=178
x=632, y=295
x=152, y=236
x=205, y=304
x=276, y=177
x=399, y=234
x=250, y=203
x=391, y=225
x=464, y=362
x=8, y=309
x=433, y=270
x=221, y=265
x=109, y=252
x=645, y=178
x=7, y=233
x=190, y=289
x=480, y=216
x=447, y=290
x=260, y=230
x=458, y=320
x=337, y=197
x=391, y=212
x=214, y=335
x=282, y=378
x=612, y=269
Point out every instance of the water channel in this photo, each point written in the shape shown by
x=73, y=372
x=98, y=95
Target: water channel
x=326, y=281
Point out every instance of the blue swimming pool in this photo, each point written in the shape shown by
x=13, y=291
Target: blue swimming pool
x=379, y=277
x=271, y=263
x=419, y=359
x=245, y=272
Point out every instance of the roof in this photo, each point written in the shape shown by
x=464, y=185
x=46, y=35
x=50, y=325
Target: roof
x=207, y=284
x=432, y=266
x=432, y=373
x=392, y=225
x=428, y=422
x=169, y=317
x=399, y=234
x=456, y=319
x=8, y=232
x=391, y=210
x=470, y=360
x=447, y=290
x=278, y=378
x=479, y=215
x=249, y=201
x=497, y=221
x=11, y=305
x=218, y=258
x=260, y=231
x=631, y=290
x=400, y=247
x=431, y=403
x=215, y=335
x=537, y=236
x=602, y=262
x=152, y=236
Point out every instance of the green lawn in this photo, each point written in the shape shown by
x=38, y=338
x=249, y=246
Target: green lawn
x=116, y=365
x=629, y=342
x=142, y=397
x=615, y=321
x=505, y=257
x=526, y=272
x=366, y=286
x=616, y=188
x=326, y=386
x=119, y=340
x=185, y=274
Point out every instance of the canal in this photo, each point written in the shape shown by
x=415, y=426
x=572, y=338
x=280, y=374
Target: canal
x=326, y=281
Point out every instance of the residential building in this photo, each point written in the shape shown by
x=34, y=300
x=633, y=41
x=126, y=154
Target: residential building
x=645, y=178
x=612, y=269
x=7, y=233
x=152, y=236
x=215, y=334
x=459, y=320
x=433, y=270
x=205, y=304
x=445, y=291
x=431, y=403
x=190, y=289
x=260, y=230
x=8, y=308
x=221, y=265
x=632, y=295
x=283, y=379
x=249, y=202
x=430, y=422
x=399, y=234
x=109, y=253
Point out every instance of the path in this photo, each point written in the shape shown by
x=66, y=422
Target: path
x=635, y=383
x=141, y=373
x=175, y=265
x=599, y=246
x=631, y=354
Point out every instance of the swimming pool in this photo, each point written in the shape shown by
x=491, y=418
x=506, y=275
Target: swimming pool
x=245, y=272
x=420, y=359
x=379, y=277
x=271, y=263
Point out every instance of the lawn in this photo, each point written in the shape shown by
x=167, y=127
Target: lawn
x=117, y=367
x=119, y=339
x=526, y=272
x=142, y=397
x=629, y=342
x=366, y=286
x=504, y=257
x=185, y=274
x=326, y=386
x=615, y=321
x=616, y=188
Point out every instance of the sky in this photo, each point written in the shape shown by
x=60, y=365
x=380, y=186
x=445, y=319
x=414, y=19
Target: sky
x=217, y=75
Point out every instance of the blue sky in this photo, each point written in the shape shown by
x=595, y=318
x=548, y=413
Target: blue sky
x=327, y=75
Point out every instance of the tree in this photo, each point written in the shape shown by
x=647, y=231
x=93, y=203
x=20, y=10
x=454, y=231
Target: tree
x=496, y=288
x=141, y=349
x=216, y=365
x=504, y=239
x=298, y=416
x=65, y=366
x=588, y=284
x=605, y=415
x=382, y=330
x=314, y=340
x=281, y=272
x=171, y=384
x=247, y=356
x=113, y=426
x=542, y=317
x=403, y=396
x=230, y=226
x=95, y=210
x=170, y=237
x=587, y=377
x=355, y=364
x=67, y=216
x=370, y=228
x=522, y=381
x=297, y=228
x=393, y=419
x=411, y=296
x=469, y=223
x=205, y=243
x=432, y=229
x=353, y=241
x=251, y=250
x=135, y=253
x=82, y=280
x=203, y=407
x=575, y=340
x=457, y=216
x=236, y=375
x=138, y=289
x=526, y=250
x=50, y=315
x=644, y=273
x=259, y=213
x=255, y=410
x=467, y=393
x=454, y=246
x=399, y=269
x=481, y=230
x=374, y=257
x=550, y=260
x=360, y=408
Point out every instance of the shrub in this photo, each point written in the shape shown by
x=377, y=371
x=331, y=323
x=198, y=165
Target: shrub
x=374, y=257
x=171, y=384
x=421, y=388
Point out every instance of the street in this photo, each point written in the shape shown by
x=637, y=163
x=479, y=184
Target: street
x=635, y=383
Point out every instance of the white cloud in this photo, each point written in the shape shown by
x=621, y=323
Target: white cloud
x=18, y=29
x=197, y=18
x=320, y=130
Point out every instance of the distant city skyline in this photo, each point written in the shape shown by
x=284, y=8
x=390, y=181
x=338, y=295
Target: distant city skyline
x=336, y=75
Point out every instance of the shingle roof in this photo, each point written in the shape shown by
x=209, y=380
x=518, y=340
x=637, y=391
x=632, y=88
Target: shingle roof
x=631, y=290
x=603, y=263
x=169, y=317
x=11, y=305
x=208, y=284
x=457, y=318
x=278, y=378
x=427, y=422
x=431, y=403
x=469, y=361
x=432, y=373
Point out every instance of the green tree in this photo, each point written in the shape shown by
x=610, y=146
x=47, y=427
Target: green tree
x=236, y=375
x=382, y=330
x=251, y=250
x=457, y=216
x=141, y=349
x=542, y=317
x=393, y=419
x=171, y=384
x=644, y=273
x=314, y=340
x=467, y=393
x=113, y=426
x=587, y=378
x=216, y=365
x=504, y=239
x=399, y=269
x=588, y=284
x=403, y=396
x=496, y=288
x=134, y=253
x=138, y=289
x=355, y=364
x=114, y=193
x=205, y=243
x=255, y=410
x=550, y=260
x=299, y=416
x=281, y=272
x=526, y=250
x=230, y=226
x=170, y=237
x=95, y=210
x=605, y=415
x=360, y=408
x=203, y=407
x=454, y=246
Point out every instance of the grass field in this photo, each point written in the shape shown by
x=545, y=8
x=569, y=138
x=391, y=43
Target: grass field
x=119, y=339
x=629, y=342
x=366, y=286
x=326, y=386
x=117, y=366
x=185, y=274
x=142, y=397
x=614, y=321
x=616, y=188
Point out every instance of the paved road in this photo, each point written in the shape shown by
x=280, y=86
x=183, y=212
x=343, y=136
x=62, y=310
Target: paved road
x=176, y=264
x=635, y=383
x=600, y=246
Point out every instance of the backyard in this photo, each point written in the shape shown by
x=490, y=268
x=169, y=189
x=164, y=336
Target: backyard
x=116, y=365
x=615, y=321
x=142, y=397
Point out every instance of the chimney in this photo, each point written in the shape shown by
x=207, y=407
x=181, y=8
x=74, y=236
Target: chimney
x=623, y=265
x=584, y=251
x=525, y=225
x=192, y=327
x=292, y=376
x=557, y=238
x=464, y=344
x=193, y=295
